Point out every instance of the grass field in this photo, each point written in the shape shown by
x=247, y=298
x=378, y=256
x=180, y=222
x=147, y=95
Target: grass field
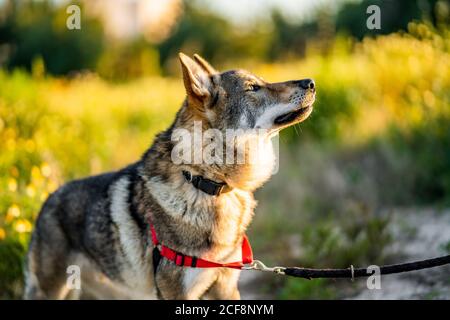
x=381, y=119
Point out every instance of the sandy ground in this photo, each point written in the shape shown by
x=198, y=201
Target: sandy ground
x=417, y=234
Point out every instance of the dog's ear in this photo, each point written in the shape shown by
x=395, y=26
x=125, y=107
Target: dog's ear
x=197, y=80
x=209, y=68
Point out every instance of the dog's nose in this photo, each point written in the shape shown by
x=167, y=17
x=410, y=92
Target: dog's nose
x=307, y=84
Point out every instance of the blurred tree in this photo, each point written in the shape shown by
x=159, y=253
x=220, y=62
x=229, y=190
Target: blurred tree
x=213, y=37
x=134, y=59
x=395, y=15
x=205, y=32
x=289, y=37
x=292, y=39
x=37, y=29
x=33, y=30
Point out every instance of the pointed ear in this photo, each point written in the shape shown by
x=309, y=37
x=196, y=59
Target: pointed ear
x=197, y=80
x=209, y=68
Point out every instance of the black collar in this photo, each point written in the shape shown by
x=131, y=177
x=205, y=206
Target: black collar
x=206, y=185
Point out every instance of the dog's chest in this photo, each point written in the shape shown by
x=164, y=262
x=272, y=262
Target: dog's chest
x=225, y=218
x=197, y=281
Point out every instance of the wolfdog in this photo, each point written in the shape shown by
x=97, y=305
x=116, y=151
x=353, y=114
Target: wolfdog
x=141, y=232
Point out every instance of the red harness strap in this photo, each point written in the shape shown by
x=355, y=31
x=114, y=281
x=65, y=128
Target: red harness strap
x=188, y=261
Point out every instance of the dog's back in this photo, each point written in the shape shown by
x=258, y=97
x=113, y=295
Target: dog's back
x=76, y=225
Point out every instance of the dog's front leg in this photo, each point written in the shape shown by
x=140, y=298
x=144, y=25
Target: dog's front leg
x=196, y=282
x=226, y=286
x=184, y=283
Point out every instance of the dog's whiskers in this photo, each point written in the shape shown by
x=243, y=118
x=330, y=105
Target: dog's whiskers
x=295, y=129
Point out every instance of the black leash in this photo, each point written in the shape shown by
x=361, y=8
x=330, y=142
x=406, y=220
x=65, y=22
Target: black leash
x=216, y=188
x=351, y=273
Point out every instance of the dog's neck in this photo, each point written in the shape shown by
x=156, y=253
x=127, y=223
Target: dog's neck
x=216, y=223
x=244, y=158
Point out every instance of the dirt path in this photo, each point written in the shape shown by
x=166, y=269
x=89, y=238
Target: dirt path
x=417, y=234
x=248, y=287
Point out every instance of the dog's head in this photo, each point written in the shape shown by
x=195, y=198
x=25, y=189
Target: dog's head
x=251, y=108
x=237, y=99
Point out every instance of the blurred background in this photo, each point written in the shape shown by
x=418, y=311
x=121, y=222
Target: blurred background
x=366, y=180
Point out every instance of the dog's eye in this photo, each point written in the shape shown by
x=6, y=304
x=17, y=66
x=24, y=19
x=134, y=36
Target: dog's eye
x=254, y=87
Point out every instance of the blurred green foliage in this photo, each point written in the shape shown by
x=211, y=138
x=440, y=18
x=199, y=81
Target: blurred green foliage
x=300, y=289
x=37, y=29
x=11, y=268
x=427, y=150
x=30, y=30
x=395, y=15
x=53, y=130
x=213, y=37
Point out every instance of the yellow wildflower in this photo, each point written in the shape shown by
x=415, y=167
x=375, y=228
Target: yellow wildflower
x=12, y=185
x=14, y=210
x=46, y=170
x=52, y=186
x=30, y=145
x=35, y=173
x=44, y=195
x=31, y=191
x=22, y=225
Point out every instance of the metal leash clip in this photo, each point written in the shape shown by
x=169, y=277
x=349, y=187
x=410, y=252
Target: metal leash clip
x=258, y=265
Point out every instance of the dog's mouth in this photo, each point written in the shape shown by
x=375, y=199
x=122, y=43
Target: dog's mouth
x=293, y=117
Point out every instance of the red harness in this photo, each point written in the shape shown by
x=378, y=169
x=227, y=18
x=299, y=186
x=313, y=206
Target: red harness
x=189, y=261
